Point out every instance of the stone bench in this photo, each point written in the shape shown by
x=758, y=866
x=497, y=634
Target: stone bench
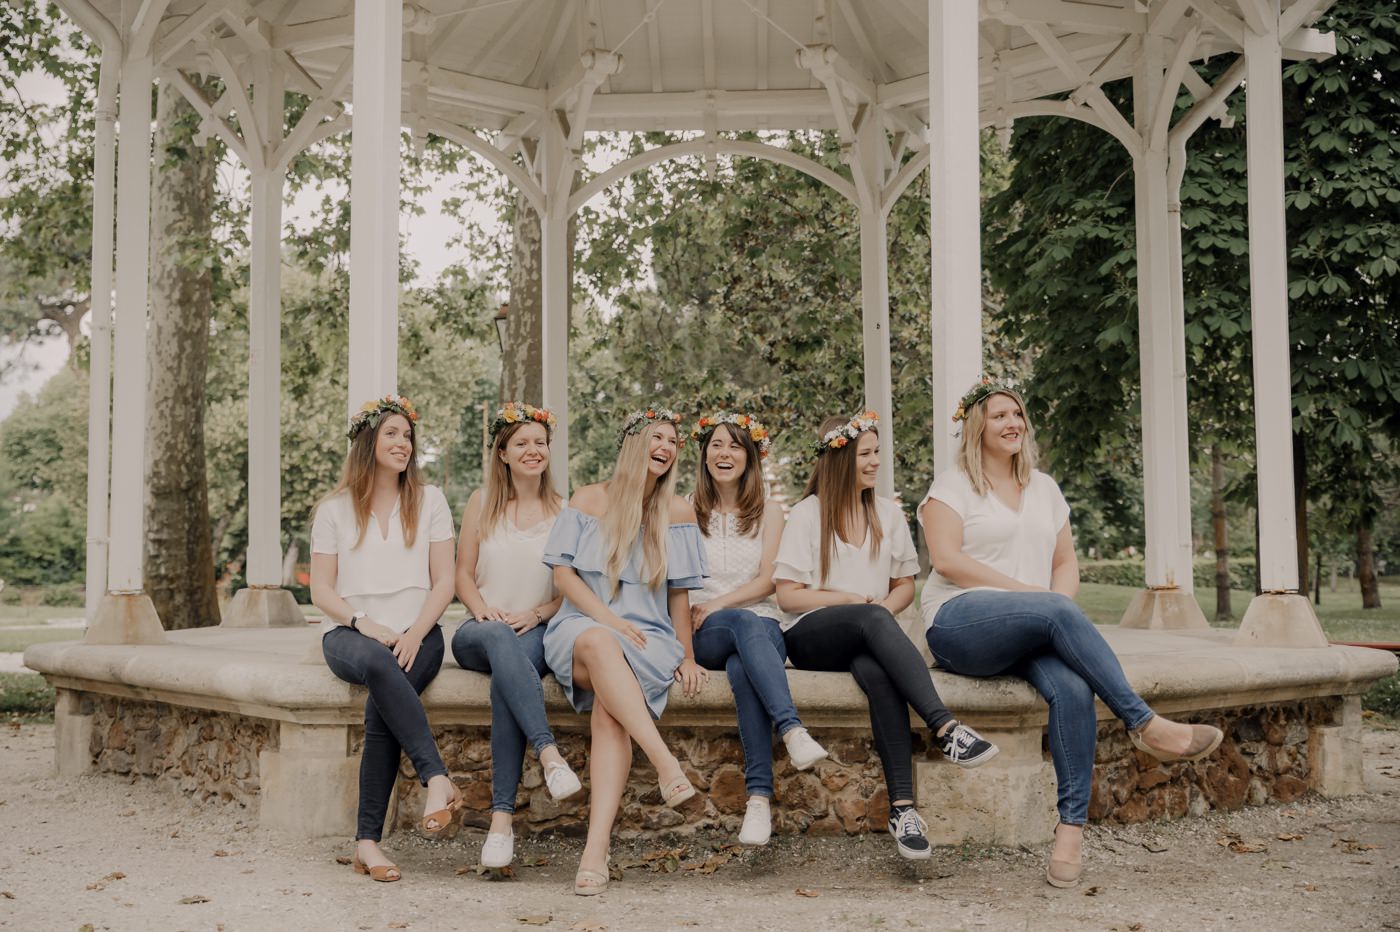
x=239, y=714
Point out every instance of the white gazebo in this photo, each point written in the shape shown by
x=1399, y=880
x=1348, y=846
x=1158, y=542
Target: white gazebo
x=907, y=84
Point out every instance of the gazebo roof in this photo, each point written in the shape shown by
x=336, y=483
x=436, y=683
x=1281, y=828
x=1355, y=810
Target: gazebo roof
x=498, y=65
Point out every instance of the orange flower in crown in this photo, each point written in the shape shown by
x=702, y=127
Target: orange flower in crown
x=371, y=412
x=745, y=422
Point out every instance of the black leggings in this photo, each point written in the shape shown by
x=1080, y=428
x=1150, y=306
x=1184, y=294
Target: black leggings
x=866, y=641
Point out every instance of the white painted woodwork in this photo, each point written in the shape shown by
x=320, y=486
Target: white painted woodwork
x=955, y=222
x=374, y=201
x=556, y=164
x=264, y=381
x=870, y=153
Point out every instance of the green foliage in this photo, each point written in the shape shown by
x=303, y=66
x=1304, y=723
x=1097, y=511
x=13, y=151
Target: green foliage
x=1131, y=572
x=61, y=596
x=27, y=695
x=1384, y=697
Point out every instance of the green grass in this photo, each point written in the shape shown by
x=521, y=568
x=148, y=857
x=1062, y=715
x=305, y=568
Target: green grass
x=16, y=641
x=36, y=614
x=1340, y=613
x=27, y=696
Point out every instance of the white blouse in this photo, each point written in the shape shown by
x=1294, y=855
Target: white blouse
x=854, y=568
x=733, y=560
x=1019, y=544
x=510, y=568
x=381, y=576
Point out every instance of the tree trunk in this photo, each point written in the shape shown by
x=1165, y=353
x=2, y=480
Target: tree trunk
x=521, y=368
x=1223, y=611
x=179, y=559
x=1300, y=509
x=1366, y=565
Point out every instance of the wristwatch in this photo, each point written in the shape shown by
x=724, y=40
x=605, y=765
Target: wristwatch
x=355, y=618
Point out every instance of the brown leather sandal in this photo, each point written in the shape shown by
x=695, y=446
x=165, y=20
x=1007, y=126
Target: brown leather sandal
x=435, y=823
x=384, y=873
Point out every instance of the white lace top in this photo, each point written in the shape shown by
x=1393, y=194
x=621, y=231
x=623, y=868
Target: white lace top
x=733, y=560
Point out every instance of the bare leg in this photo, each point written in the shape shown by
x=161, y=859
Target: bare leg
x=609, y=762
x=600, y=665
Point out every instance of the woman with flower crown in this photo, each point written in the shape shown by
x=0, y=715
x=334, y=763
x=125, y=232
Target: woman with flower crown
x=381, y=572
x=1000, y=600
x=735, y=619
x=625, y=553
x=509, y=593
x=845, y=568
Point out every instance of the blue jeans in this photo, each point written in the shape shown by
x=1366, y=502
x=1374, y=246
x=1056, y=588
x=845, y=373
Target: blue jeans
x=750, y=650
x=1044, y=638
x=515, y=663
x=394, y=716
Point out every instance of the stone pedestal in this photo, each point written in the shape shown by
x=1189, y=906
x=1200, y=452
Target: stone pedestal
x=310, y=784
x=1164, y=610
x=129, y=618
x=1279, y=619
x=263, y=607
x=72, y=732
x=1008, y=801
x=1334, y=753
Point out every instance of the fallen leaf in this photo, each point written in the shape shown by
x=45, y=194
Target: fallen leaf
x=1154, y=847
x=343, y=860
x=85, y=927
x=398, y=925
x=192, y=900
x=583, y=925
x=221, y=853
x=1093, y=891
x=539, y=919
x=541, y=862
x=495, y=873
x=7, y=894
x=1353, y=845
x=1245, y=847
x=129, y=812
x=1289, y=836
x=803, y=891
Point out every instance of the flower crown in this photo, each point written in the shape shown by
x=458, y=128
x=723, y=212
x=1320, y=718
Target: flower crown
x=371, y=411
x=757, y=432
x=515, y=412
x=838, y=438
x=636, y=421
x=986, y=386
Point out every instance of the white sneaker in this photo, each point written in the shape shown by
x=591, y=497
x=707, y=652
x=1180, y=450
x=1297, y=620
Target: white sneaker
x=561, y=780
x=498, y=850
x=803, y=750
x=758, y=822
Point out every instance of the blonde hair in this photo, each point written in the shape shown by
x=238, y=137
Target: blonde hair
x=970, y=450
x=631, y=512
x=499, y=488
x=839, y=495
x=357, y=479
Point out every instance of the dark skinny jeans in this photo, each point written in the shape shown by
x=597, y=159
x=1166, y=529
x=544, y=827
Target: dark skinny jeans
x=866, y=641
x=394, y=716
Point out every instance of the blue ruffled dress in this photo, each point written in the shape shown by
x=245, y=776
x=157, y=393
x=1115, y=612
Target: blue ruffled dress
x=577, y=541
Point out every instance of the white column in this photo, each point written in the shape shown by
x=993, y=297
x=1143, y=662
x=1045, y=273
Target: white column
x=1161, y=349
x=557, y=172
x=374, y=200
x=100, y=365
x=129, y=389
x=868, y=167
x=1268, y=281
x=955, y=222
x=264, y=381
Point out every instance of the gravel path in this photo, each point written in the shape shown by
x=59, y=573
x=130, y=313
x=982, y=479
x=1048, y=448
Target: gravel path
x=104, y=852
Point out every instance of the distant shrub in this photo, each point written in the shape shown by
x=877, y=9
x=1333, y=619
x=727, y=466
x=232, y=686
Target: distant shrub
x=1384, y=697
x=61, y=596
x=11, y=595
x=26, y=694
x=1133, y=572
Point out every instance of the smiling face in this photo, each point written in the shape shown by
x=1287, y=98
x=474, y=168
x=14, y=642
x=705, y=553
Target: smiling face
x=393, y=443
x=726, y=458
x=1003, y=427
x=663, y=446
x=867, y=459
x=525, y=451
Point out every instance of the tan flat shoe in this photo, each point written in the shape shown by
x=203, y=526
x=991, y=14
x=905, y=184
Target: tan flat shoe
x=1204, y=740
x=436, y=822
x=1063, y=873
x=384, y=873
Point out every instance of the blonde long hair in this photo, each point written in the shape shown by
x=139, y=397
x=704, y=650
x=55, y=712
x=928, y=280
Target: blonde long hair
x=499, y=490
x=357, y=478
x=970, y=449
x=839, y=494
x=631, y=512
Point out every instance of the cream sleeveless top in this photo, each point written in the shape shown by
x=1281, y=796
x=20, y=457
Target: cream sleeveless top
x=510, y=568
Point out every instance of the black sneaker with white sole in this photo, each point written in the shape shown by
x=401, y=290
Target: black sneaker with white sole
x=909, y=831
x=965, y=747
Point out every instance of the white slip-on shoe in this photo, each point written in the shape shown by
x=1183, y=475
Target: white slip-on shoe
x=561, y=780
x=498, y=850
x=803, y=750
x=758, y=822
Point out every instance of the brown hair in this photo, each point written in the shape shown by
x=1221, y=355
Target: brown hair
x=631, y=512
x=838, y=493
x=751, y=493
x=357, y=479
x=970, y=446
x=499, y=488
